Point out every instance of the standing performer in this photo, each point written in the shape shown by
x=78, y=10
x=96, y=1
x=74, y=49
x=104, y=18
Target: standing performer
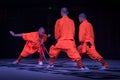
x=34, y=43
x=86, y=38
x=64, y=34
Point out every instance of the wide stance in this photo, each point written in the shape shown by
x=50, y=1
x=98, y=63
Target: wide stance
x=86, y=38
x=34, y=43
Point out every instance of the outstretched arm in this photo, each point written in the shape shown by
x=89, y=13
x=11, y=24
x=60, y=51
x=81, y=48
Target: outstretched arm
x=15, y=35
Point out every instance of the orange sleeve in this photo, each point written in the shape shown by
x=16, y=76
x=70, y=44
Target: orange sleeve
x=72, y=31
x=27, y=36
x=81, y=33
x=90, y=33
x=57, y=31
x=44, y=38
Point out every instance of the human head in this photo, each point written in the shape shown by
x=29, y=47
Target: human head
x=41, y=30
x=82, y=17
x=64, y=11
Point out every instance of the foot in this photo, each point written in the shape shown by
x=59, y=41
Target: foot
x=50, y=66
x=82, y=69
x=103, y=68
x=86, y=68
x=14, y=62
x=40, y=63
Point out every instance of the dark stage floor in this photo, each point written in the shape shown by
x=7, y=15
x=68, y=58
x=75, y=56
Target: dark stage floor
x=64, y=70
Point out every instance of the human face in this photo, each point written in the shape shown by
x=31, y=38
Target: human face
x=80, y=19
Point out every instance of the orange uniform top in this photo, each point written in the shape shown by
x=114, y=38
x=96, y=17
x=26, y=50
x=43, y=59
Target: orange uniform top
x=86, y=33
x=64, y=29
x=33, y=41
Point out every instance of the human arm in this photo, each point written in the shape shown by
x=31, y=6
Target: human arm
x=15, y=35
x=57, y=32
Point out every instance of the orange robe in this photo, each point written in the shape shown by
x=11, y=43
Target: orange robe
x=86, y=34
x=64, y=34
x=32, y=43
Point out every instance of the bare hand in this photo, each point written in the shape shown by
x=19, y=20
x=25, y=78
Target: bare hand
x=49, y=35
x=12, y=33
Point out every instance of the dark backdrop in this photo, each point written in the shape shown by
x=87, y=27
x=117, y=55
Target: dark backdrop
x=27, y=16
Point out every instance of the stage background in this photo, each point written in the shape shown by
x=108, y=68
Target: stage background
x=26, y=16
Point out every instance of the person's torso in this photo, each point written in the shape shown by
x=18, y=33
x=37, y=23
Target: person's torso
x=66, y=28
x=88, y=31
x=35, y=39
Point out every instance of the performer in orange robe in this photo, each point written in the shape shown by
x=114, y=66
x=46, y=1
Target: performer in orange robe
x=34, y=43
x=86, y=38
x=64, y=34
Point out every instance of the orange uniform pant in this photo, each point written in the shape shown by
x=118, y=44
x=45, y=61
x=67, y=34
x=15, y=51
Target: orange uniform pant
x=28, y=51
x=91, y=52
x=67, y=46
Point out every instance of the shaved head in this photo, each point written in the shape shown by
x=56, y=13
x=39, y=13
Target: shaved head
x=64, y=11
x=41, y=30
x=82, y=15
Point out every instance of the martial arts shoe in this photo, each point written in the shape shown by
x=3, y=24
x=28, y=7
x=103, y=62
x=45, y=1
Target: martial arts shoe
x=82, y=69
x=40, y=63
x=86, y=68
x=103, y=68
x=50, y=66
x=14, y=62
